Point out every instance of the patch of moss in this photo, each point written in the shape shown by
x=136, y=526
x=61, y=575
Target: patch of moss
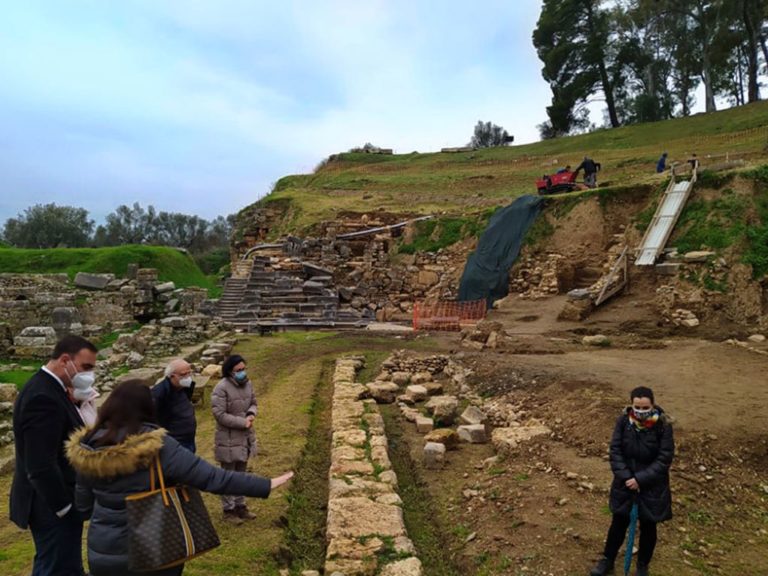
x=541, y=230
x=438, y=233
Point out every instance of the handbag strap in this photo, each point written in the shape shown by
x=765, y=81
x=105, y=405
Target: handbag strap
x=157, y=469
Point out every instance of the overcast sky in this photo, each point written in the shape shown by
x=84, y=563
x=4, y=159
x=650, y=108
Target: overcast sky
x=198, y=106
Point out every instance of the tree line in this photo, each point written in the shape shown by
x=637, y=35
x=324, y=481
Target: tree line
x=647, y=58
x=53, y=226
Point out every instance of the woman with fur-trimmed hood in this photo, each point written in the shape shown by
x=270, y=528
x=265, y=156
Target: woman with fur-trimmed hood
x=112, y=461
x=642, y=449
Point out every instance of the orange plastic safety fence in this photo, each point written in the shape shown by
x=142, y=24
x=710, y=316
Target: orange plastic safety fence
x=447, y=315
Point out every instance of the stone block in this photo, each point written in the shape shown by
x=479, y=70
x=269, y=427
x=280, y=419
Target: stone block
x=508, y=439
x=46, y=332
x=356, y=517
x=401, y=378
x=424, y=424
x=427, y=278
x=212, y=371
x=164, y=287
x=143, y=296
x=756, y=338
x=596, y=340
x=93, y=281
x=147, y=375
x=406, y=567
x=416, y=393
x=473, y=415
x=134, y=359
x=690, y=322
x=8, y=392
x=445, y=436
x=64, y=316
x=698, y=256
x=434, y=455
x=30, y=341
x=579, y=294
x=443, y=409
x=473, y=433
x=410, y=414
x=434, y=388
x=224, y=347
x=117, y=284
x=383, y=392
x=176, y=322
x=421, y=378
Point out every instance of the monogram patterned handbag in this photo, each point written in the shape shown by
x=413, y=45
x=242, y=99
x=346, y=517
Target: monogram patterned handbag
x=167, y=525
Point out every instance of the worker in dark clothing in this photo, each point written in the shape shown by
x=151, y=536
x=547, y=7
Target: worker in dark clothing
x=661, y=165
x=591, y=168
x=173, y=402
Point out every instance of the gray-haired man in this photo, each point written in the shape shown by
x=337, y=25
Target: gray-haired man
x=173, y=401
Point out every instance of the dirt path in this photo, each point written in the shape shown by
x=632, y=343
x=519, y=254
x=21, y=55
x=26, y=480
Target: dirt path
x=543, y=510
x=695, y=381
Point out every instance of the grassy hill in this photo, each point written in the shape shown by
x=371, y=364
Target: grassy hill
x=473, y=182
x=171, y=264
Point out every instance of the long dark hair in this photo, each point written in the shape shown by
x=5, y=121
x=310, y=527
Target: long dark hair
x=123, y=413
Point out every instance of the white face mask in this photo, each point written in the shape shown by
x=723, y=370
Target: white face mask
x=82, y=394
x=82, y=380
x=185, y=382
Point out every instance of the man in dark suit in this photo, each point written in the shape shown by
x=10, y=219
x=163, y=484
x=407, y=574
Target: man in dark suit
x=42, y=494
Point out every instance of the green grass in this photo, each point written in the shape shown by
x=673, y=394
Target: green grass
x=756, y=252
x=17, y=377
x=422, y=520
x=306, y=516
x=714, y=224
x=455, y=185
x=171, y=264
x=729, y=220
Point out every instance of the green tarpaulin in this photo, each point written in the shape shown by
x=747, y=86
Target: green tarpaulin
x=486, y=275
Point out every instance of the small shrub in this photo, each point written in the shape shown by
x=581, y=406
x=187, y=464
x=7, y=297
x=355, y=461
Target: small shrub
x=714, y=180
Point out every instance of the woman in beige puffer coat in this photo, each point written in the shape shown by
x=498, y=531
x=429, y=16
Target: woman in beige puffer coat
x=234, y=407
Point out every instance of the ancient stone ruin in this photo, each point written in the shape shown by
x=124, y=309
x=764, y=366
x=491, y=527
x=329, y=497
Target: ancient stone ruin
x=347, y=275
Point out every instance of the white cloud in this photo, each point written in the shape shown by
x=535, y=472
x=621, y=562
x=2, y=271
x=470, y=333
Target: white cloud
x=158, y=101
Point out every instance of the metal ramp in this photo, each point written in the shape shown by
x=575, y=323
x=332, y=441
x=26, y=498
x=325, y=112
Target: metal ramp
x=664, y=220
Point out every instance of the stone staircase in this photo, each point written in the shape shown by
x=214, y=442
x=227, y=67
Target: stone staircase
x=294, y=295
x=232, y=296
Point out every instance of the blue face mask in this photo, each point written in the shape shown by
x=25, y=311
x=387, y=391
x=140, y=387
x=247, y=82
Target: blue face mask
x=241, y=375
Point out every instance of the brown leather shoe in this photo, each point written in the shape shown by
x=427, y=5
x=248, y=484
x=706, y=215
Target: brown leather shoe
x=244, y=514
x=233, y=516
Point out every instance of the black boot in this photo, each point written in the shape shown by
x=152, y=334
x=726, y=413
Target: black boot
x=602, y=568
x=642, y=570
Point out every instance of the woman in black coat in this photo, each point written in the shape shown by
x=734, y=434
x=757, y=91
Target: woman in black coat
x=642, y=449
x=112, y=461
